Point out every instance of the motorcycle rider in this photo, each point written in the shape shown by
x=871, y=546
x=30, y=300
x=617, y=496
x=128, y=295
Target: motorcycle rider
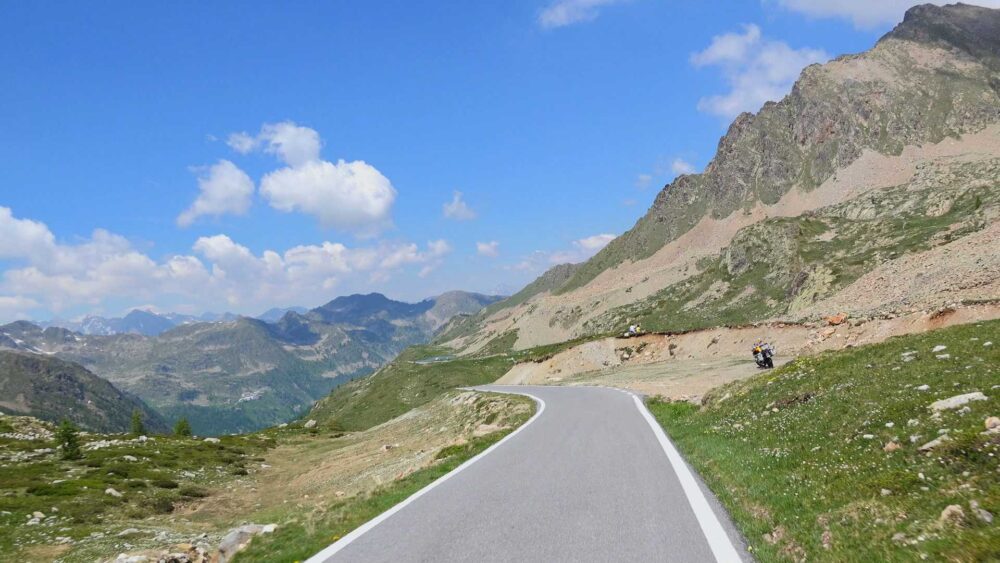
x=763, y=354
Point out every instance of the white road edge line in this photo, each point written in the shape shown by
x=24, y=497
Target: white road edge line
x=343, y=542
x=718, y=540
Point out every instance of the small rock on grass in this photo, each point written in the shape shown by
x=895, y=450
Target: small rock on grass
x=934, y=443
x=992, y=422
x=957, y=401
x=952, y=516
x=111, y=491
x=310, y=424
x=980, y=513
x=891, y=447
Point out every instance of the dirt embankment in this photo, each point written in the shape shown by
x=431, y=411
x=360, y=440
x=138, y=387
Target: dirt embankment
x=685, y=366
x=305, y=474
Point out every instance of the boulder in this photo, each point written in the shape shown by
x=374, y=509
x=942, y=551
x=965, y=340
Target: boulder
x=934, y=443
x=837, y=319
x=992, y=422
x=310, y=424
x=956, y=401
x=951, y=516
x=212, y=440
x=239, y=538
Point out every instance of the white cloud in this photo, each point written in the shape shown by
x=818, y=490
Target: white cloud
x=13, y=308
x=457, y=209
x=580, y=250
x=643, y=180
x=224, y=188
x=409, y=254
x=293, y=144
x=352, y=196
x=489, y=249
x=106, y=271
x=23, y=237
x=242, y=142
x=561, y=13
x=866, y=14
x=757, y=70
x=594, y=243
x=680, y=166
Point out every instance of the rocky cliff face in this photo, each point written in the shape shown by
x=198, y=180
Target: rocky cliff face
x=924, y=99
x=932, y=77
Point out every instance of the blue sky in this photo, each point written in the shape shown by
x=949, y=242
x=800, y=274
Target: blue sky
x=217, y=156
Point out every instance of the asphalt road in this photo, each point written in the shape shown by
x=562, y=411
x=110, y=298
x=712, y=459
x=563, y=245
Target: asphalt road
x=587, y=479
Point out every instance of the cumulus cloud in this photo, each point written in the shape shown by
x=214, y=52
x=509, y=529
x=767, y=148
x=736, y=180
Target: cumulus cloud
x=242, y=142
x=106, y=269
x=352, y=196
x=680, y=166
x=580, y=250
x=866, y=14
x=223, y=188
x=594, y=243
x=757, y=70
x=561, y=13
x=13, y=308
x=489, y=249
x=457, y=209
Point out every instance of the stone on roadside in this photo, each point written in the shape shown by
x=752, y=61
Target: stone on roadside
x=952, y=516
x=239, y=538
x=956, y=401
x=980, y=513
x=934, y=443
x=837, y=319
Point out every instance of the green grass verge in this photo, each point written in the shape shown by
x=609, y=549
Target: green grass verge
x=299, y=540
x=401, y=386
x=797, y=455
x=151, y=476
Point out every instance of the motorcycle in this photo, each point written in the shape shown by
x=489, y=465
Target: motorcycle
x=763, y=355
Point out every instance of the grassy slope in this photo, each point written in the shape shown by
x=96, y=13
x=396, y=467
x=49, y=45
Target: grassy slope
x=305, y=537
x=403, y=385
x=807, y=469
x=55, y=389
x=151, y=485
x=770, y=265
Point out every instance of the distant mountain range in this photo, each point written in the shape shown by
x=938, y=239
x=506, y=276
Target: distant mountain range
x=244, y=374
x=138, y=321
x=52, y=389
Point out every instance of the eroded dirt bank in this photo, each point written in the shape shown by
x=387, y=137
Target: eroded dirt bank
x=685, y=366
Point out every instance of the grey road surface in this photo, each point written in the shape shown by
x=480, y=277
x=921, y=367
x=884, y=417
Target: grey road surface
x=587, y=480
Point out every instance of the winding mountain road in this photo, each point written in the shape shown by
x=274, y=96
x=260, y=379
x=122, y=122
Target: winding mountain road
x=590, y=477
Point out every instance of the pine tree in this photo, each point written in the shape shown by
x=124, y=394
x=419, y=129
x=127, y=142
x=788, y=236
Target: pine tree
x=182, y=427
x=138, y=428
x=68, y=440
